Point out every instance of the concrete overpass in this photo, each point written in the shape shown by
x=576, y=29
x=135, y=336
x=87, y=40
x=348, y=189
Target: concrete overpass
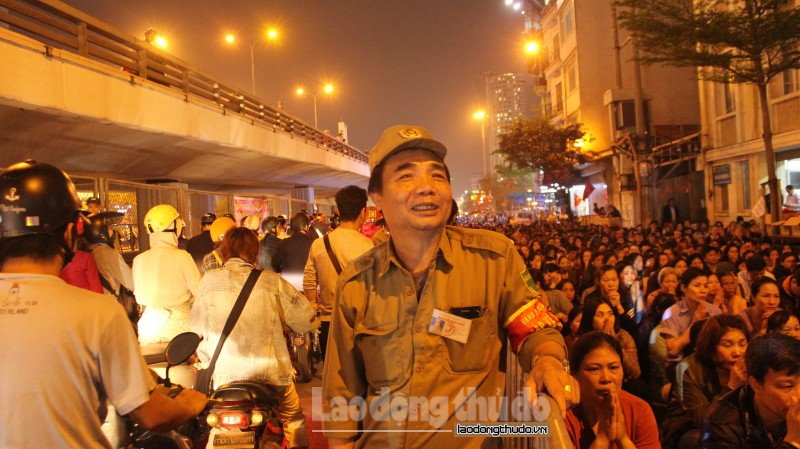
x=93, y=100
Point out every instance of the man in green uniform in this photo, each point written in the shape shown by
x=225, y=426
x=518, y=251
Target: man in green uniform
x=421, y=320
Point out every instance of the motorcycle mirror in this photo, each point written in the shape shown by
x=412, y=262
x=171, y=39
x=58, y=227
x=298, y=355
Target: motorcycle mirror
x=182, y=347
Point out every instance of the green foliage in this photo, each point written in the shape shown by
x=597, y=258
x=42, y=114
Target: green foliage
x=500, y=188
x=734, y=41
x=535, y=144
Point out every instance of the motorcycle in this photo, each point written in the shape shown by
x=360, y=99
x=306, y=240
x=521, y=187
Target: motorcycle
x=242, y=415
x=122, y=433
x=302, y=348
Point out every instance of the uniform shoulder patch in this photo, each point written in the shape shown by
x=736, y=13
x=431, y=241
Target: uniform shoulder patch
x=527, y=279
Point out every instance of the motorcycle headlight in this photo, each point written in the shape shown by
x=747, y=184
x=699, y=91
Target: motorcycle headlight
x=212, y=420
x=256, y=418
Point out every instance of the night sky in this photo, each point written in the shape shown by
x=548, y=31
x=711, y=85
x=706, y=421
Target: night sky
x=393, y=62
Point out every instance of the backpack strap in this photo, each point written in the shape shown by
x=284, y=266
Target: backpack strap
x=331, y=254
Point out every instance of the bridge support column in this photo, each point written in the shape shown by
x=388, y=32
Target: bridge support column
x=304, y=193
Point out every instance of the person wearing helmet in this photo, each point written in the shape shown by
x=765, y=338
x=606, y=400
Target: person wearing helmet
x=114, y=272
x=252, y=222
x=218, y=229
x=201, y=244
x=66, y=351
x=165, y=278
x=269, y=243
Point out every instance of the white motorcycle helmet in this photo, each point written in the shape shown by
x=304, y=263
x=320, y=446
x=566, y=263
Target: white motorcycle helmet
x=163, y=218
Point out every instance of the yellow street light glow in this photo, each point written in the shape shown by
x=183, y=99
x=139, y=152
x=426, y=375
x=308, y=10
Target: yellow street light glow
x=479, y=115
x=272, y=34
x=531, y=47
x=328, y=88
x=230, y=38
x=579, y=143
x=160, y=42
x=300, y=91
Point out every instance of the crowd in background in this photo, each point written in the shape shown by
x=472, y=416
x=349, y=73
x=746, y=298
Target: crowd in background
x=681, y=301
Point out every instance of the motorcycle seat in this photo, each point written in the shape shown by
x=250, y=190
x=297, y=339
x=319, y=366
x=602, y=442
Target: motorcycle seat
x=243, y=390
x=154, y=353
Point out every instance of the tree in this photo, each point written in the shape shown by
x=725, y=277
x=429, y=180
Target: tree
x=499, y=188
x=535, y=144
x=736, y=41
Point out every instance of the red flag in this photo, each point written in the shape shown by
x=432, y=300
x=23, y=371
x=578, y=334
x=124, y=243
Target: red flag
x=588, y=189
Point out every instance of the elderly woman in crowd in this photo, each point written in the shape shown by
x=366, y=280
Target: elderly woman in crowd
x=607, y=416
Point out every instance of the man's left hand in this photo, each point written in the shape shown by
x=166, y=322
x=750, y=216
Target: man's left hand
x=548, y=374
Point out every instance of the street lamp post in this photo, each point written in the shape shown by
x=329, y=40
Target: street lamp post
x=270, y=36
x=481, y=115
x=327, y=89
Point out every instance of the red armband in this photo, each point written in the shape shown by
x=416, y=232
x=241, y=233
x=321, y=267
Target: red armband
x=531, y=317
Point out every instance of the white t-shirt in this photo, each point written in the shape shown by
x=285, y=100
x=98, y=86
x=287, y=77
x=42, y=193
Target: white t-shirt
x=64, y=351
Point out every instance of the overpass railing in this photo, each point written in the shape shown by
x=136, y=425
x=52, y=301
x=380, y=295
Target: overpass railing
x=59, y=25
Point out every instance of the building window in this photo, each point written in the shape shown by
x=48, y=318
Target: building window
x=572, y=76
x=793, y=172
x=725, y=101
x=746, y=200
x=722, y=198
x=784, y=84
x=567, y=22
x=556, y=54
x=559, y=93
x=625, y=114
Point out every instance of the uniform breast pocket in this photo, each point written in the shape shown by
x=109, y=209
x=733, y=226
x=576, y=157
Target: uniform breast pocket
x=380, y=348
x=472, y=356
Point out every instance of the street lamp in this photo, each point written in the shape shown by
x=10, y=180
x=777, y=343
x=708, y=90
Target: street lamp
x=481, y=115
x=327, y=89
x=151, y=37
x=271, y=35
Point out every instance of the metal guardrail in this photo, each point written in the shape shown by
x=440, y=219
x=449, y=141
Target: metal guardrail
x=59, y=25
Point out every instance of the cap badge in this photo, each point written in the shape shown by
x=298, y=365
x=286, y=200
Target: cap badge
x=410, y=133
x=12, y=195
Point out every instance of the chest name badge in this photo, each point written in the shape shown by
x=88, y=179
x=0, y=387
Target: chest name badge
x=449, y=326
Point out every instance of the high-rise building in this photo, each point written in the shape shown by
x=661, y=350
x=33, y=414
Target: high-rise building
x=508, y=98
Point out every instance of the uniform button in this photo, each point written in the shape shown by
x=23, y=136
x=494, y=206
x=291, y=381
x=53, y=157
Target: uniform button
x=418, y=328
x=468, y=239
x=420, y=368
x=374, y=343
x=409, y=291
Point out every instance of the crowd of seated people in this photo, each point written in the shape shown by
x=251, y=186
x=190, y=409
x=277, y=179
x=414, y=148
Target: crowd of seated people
x=680, y=335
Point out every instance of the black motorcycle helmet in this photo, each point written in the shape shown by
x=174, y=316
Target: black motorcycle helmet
x=39, y=199
x=36, y=198
x=269, y=224
x=208, y=219
x=98, y=230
